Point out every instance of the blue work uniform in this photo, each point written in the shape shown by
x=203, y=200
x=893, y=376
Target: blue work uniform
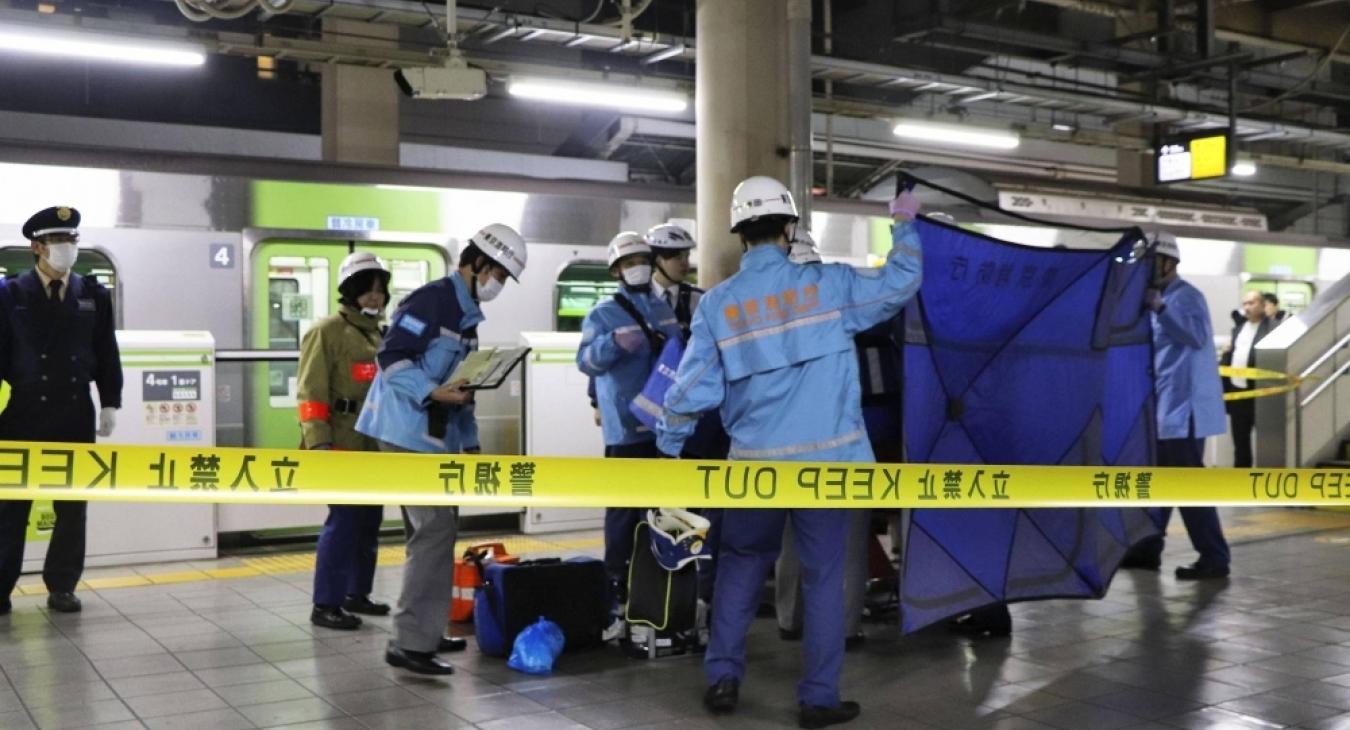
x=772, y=348
x=431, y=332
x=1190, y=408
x=619, y=376
x=51, y=348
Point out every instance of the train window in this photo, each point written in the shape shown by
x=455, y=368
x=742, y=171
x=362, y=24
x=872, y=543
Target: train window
x=580, y=287
x=405, y=276
x=297, y=296
x=92, y=263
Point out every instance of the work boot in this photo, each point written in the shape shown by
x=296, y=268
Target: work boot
x=363, y=604
x=993, y=621
x=420, y=662
x=1198, y=571
x=721, y=698
x=811, y=716
x=333, y=617
x=452, y=644
x=64, y=602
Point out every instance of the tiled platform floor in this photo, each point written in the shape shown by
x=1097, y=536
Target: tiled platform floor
x=1269, y=648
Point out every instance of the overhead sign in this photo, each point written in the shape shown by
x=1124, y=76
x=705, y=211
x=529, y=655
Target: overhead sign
x=1195, y=157
x=1142, y=214
x=353, y=223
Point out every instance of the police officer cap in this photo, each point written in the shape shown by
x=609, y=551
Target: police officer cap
x=61, y=219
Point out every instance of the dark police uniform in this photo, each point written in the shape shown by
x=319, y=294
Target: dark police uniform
x=50, y=350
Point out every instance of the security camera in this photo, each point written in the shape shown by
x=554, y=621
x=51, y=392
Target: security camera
x=455, y=80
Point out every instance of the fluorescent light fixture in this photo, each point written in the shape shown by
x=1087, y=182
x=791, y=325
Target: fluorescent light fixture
x=957, y=135
x=1062, y=127
x=592, y=94
x=1244, y=168
x=95, y=47
x=664, y=54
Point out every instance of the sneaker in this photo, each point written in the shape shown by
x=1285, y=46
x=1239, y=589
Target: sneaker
x=615, y=629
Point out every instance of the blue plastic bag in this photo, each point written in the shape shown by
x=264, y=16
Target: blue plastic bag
x=537, y=646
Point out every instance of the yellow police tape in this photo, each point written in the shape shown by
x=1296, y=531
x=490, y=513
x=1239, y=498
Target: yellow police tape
x=202, y=475
x=1260, y=374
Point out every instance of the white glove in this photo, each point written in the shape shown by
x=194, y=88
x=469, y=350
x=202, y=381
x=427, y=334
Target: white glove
x=107, y=420
x=630, y=340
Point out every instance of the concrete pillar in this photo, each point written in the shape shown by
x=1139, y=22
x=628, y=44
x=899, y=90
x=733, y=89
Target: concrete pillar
x=741, y=108
x=359, y=106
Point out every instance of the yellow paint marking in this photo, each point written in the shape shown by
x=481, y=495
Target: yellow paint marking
x=125, y=581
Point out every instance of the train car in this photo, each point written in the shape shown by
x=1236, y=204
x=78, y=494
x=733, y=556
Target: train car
x=253, y=262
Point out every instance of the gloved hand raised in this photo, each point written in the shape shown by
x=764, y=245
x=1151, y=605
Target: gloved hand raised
x=107, y=421
x=1153, y=299
x=905, y=206
x=630, y=340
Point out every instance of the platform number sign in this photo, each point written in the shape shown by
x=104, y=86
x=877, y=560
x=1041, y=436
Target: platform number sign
x=222, y=256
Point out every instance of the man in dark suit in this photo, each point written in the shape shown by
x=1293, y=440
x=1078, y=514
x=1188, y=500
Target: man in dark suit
x=56, y=336
x=1240, y=353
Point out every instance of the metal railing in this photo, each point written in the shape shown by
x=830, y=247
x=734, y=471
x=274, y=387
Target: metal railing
x=1301, y=403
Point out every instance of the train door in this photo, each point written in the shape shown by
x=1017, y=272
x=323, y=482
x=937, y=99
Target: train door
x=294, y=286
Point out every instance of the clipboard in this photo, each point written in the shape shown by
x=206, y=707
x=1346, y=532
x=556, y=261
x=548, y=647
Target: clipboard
x=488, y=369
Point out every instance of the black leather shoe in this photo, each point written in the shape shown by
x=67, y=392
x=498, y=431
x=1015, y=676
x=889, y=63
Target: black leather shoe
x=1196, y=571
x=332, y=617
x=854, y=642
x=1140, y=562
x=992, y=621
x=64, y=602
x=416, y=661
x=452, y=643
x=6, y=607
x=363, y=604
x=721, y=698
x=811, y=716
x=789, y=634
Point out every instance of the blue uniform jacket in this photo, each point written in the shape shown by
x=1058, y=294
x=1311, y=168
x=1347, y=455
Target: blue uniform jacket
x=772, y=347
x=50, y=352
x=619, y=375
x=1185, y=368
x=432, y=330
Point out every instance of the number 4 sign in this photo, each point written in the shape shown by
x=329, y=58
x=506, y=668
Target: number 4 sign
x=222, y=256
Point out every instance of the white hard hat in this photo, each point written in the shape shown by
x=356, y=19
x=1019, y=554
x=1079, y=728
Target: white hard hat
x=357, y=262
x=759, y=196
x=628, y=243
x=503, y=245
x=670, y=237
x=1165, y=244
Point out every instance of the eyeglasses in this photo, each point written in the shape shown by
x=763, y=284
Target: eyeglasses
x=60, y=238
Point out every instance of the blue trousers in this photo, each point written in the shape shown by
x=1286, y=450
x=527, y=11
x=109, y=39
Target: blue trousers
x=707, y=569
x=621, y=521
x=751, y=541
x=1202, y=523
x=345, y=565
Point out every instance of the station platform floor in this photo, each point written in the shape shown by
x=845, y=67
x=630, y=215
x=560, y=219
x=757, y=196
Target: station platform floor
x=227, y=644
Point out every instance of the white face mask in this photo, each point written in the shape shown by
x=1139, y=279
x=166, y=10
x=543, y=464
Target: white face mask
x=488, y=290
x=637, y=275
x=61, y=256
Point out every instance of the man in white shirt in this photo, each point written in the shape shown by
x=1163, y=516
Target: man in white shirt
x=1240, y=354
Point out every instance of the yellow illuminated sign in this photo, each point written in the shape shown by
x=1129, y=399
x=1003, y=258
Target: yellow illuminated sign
x=1195, y=158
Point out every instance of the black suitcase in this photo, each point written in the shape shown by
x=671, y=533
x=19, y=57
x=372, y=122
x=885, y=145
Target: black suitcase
x=571, y=593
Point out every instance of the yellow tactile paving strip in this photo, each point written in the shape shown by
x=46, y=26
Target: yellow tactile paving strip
x=301, y=562
x=1239, y=526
